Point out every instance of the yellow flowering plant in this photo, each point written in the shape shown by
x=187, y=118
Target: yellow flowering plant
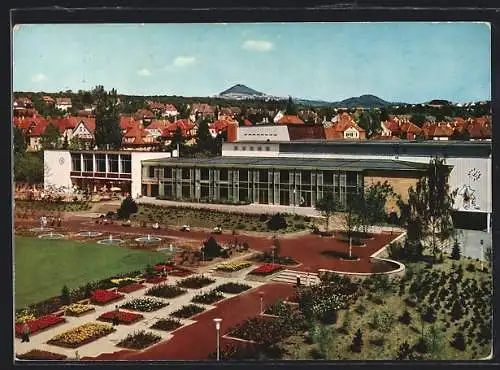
x=233, y=266
x=81, y=335
x=76, y=309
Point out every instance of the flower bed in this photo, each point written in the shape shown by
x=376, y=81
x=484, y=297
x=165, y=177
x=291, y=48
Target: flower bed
x=144, y=304
x=187, y=311
x=195, y=282
x=139, y=340
x=279, y=308
x=233, y=266
x=165, y=291
x=36, y=354
x=102, y=297
x=263, y=330
x=266, y=269
x=208, y=298
x=167, y=324
x=81, y=335
x=76, y=309
x=40, y=324
x=180, y=272
x=126, y=318
x=131, y=288
x=121, y=282
x=163, y=267
x=156, y=280
x=25, y=318
x=232, y=288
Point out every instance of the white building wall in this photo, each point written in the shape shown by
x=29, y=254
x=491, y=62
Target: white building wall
x=137, y=158
x=262, y=133
x=243, y=150
x=57, y=168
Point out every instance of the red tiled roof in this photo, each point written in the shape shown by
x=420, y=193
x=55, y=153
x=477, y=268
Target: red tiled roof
x=170, y=107
x=247, y=123
x=301, y=132
x=382, y=137
x=476, y=131
x=157, y=124
x=290, y=119
x=38, y=129
x=126, y=122
x=220, y=125
x=143, y=114
x=184, y=124
x=63, y=101
x=410, y=128
x=202, y=108
x=156, y=105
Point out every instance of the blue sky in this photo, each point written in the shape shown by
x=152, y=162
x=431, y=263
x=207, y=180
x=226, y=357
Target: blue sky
x=410, y=62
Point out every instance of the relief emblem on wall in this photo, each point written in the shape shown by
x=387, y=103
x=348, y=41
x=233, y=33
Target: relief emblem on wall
x=468, y=193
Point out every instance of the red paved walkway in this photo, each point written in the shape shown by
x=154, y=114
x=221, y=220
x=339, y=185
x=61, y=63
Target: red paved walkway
x=198, y=340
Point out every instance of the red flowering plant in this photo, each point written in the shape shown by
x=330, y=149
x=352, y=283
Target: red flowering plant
x=101, y=296
x=124, y=317
x=40, y=323
x=156, y=280
x=131, y=288
x=163, y=267
x=266, y=269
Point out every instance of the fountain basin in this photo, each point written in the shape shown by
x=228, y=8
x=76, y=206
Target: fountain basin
x=51, y=236
x=41, y=229
x=148, y=239
x=110, y=241
x=89, y=233
x=170, y=249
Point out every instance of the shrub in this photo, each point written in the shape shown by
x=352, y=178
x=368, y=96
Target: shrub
x=263, y=217
x=429, y=315
x=128, y=207
x=211, y=249
x=455, y=252
x=360, y=309
x=65, y=296
x=357, y=341
x=208, y=298
x=405, y=318
x=458, y=341
x=470, y=267
x=36, y=354
x=276, y=222
x=405, y=352
x=195, y=282
x=382, y=321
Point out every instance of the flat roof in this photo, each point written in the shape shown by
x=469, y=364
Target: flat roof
x=283, y=162
x=343, y=142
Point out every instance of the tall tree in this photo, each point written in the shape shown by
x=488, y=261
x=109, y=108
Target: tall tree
x=177, y=139
x=107, y=123
x=50, y=137
x=432, y=203
x=291, y=107
x=327, y=206
x=19, y=141
x=204, y=139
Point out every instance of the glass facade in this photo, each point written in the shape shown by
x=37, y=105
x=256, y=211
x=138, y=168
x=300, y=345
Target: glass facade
x=298, y=187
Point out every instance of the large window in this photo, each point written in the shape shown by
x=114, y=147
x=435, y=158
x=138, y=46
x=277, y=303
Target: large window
x=263, y=176
x=305, y=177
x=113, y=162
x=243, y=174
x=186, y=174
x=88, y=163
x=126, y=163
x=100, y=161
x=223, y=174
x=204, y=173
x=167, y=173
x=284, y=176
x=76, y=162
x=151, y=172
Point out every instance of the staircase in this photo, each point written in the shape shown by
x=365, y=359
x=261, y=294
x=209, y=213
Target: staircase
x=290, y=277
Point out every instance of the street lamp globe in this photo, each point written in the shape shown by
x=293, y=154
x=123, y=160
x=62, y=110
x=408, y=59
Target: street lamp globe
x=217, y=323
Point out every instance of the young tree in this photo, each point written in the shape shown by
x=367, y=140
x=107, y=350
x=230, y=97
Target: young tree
x=276, y=246
x=19, y=141
x=357, y=341
x=434, y=341
x=455, y=252
x=50, y=137
x=324, y=337
x=29, y=167
x=107, y=122
x=431, y=201
x=350, y=219
x=327, y=206
x=128, y=207
x=65, y=296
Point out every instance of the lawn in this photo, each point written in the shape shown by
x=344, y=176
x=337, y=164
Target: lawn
x=209, y=219
x=42, y=267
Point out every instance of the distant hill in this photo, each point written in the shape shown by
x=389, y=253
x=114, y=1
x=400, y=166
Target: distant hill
x=241, y=91
x=365, y=101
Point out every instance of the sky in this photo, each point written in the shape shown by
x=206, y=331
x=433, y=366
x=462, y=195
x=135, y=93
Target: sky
x=399, y=62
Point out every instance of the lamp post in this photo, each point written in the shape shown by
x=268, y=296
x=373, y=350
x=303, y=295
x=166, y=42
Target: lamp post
x=217, y=328
x=274, y=252
x=294, y=199
x=482, y=253
x=261, y=294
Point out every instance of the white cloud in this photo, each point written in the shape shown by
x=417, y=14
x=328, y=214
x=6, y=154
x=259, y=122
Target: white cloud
x=258, y=45
x=144, y=72
x=183, y=61
x=39, y=78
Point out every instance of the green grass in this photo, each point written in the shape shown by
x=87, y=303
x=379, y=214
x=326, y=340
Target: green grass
x=42, y=267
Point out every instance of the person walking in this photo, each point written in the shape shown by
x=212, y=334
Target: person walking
x=116, y=318
x=298, y=280
x=26, y=333
x=308, y=281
